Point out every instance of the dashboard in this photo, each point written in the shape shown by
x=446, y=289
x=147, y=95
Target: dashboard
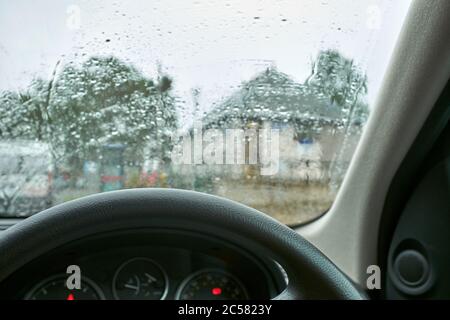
x=146, y=264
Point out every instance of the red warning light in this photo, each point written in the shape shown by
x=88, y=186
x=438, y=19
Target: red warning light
x=70, y=297
x=216, y=291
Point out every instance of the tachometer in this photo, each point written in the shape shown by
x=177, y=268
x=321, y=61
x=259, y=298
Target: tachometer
x=55, y=288
x=140, y=279
x=211, y=284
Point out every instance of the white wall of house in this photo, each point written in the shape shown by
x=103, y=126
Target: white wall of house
x=304, y=160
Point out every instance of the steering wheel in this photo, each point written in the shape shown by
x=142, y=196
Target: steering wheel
x=311, y=275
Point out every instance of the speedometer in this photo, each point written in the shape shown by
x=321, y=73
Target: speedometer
x=211, y=284
x=54, y=288
x=140, y=279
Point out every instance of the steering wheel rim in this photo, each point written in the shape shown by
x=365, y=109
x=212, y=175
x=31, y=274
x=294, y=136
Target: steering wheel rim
x=311, y=275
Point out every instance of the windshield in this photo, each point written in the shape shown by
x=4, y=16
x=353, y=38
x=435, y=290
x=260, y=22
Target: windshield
x=262, y=102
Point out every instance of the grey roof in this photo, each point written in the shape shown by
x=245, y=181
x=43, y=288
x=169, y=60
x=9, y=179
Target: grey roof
x=273, y=95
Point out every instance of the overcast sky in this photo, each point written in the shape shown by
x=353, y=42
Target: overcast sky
x=208, y=44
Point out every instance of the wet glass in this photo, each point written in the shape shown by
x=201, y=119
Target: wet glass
x=262, y=102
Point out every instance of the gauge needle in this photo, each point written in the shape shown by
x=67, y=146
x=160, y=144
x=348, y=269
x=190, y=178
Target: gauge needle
x=150, y=278
x=130, y=286
x=136, y=287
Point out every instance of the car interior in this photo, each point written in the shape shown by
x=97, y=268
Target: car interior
x=384, y=237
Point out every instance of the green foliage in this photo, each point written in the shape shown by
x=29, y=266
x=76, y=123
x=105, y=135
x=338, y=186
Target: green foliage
x=23, y=113
x=101, y=101
x=342, y=82
x=337, y=78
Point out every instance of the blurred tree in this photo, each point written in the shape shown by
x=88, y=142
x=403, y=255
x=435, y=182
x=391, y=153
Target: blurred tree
x=84, y=107
x=340, y=80
x=106, y=101
x=343, y=83
x=337, y=78
x=23, y=112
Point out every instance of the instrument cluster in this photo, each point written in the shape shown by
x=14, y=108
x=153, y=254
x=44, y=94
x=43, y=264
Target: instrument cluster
x=143, y=279
x=148, y=266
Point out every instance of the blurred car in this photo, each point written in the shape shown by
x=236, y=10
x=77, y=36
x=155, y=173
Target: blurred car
x=25, y=177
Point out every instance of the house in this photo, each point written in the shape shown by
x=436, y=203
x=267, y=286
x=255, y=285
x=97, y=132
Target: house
x=315, y=136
